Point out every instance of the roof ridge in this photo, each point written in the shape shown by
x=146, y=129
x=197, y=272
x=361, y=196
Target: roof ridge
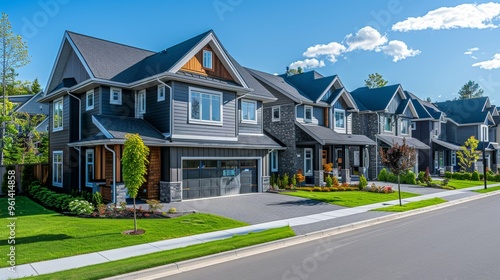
x=109, y=41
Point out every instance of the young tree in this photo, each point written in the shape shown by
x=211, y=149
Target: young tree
x=13, y=55
x=399, y=159
x=35, y=86
x=470, y=90
x=134, y=160
x=375, y=81
x=467, y=154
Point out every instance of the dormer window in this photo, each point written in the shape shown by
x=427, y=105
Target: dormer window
x=207, y=59
x=308, y=114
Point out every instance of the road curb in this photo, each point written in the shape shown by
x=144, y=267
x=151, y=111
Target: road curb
x=178, y=267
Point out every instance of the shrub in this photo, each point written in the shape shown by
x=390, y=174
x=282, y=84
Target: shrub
x=362, y=182
x=392, y=178
x=329, y=181
x=497, y=178
x=325, y=189
x=445, y=182
x=285, y=180
x=172, y=210
x=382, y=175
x=388, y=189
x=448, y=174
x=81, y=207
x=427, y=176
x=272, y=180
x=467, y=176
x=490, y=177
x=123, y=205
x=293, y=181
x=421, y=176
x=336, y=182
x=278, y=182
x=409, y=178
x=27, y=176
x=154, y=205
x=328, y=167
x=475, y=176
x=97, y=199
x=316, y=189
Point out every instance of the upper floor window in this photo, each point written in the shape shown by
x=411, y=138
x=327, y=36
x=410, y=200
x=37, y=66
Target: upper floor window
x=89, y=98
x=405, y=127
x=207, y=59
x=339, y=118
x=308, y=113
x=161, y=93
x=142, y=101
x=57, y=115
x=57, y=168
x=413, y=125
x=276, y=111
x=388, y=123
x=484, y=133
x=248, y=111
x=205, y=106
x=115, y=96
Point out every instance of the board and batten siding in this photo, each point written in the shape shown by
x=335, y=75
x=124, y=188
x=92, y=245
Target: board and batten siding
x=393, y=106
x=318, y=116
x=182, y=126
x=251, y=128
x=127, y=109
x=74, y=68
x=88, y=128
x=158, y=112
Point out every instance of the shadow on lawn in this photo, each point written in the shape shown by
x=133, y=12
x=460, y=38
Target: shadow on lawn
x=304, y=202
x=39, y=238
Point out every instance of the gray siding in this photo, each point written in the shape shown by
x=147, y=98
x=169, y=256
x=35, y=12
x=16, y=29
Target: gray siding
x=253, y=128
x=317, y=116
x=393, y=106
x=88, y=128
x=127, y=109
x=158, y=112
x=281, y=98
x=464, y=132
x=74, y=69
x=181, y=114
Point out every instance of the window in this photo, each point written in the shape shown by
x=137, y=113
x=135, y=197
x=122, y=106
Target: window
x=115, y=96
x=57, y=168
x=57, y=115
x=308, y=162
x=141, y=96
x=248, y=111
x=453, y=158
x=413, y=125
x=308, y=114
x=207, y=59
x=89, y=100
x=484, y=133
x=161, y=93
x=89, y=167
x=339, y=118
x=276, y=111
x=404, y=127
x=387, y=124
x=274, y=161
x=205, y=106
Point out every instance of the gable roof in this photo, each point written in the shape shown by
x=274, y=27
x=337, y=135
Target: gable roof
x=279, y=84
x=311, y=83
x=466, y=111
x=375, y=99
x=33, y=107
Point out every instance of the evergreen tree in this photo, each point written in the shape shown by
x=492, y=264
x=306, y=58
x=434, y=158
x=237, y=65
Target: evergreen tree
x=375, y=81
x=470, y=90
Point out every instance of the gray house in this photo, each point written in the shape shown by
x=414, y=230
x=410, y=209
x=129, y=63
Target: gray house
x=195, y=107
x=312, y=117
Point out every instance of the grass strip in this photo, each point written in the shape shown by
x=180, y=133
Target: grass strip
x=412, y=205
x=489, y=189
x=350, y=198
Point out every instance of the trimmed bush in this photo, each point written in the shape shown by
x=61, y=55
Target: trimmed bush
x=475, y=176
x=382, y=175
x=410, y=178
x=285, y=180
x=467, y=176
x=421, y=176
x=329, y=181
x=362, y=182
x=447, y=174
x=81, y=207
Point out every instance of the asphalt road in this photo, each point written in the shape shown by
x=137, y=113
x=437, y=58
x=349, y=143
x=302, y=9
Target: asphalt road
x=457, y=242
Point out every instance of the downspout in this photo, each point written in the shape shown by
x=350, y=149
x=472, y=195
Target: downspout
x=114, y=173
x=171, y=125
x=79, y=139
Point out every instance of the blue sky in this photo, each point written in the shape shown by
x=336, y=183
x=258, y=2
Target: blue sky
x=430, y=47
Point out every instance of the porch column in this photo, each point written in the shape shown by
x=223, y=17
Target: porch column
x=346, y=174
x=318, y=167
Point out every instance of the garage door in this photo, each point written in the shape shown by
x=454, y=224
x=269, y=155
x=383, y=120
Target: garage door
x=208, y=178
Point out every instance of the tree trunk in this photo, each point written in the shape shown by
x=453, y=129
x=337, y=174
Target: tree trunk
x=399, y=192
x=135, y=218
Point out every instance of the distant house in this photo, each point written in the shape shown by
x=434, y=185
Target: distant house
x=312, y=117
x=195, y=107
x=466, y=118
x=385, y=116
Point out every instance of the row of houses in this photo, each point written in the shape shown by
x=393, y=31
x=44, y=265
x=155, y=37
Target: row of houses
x=215, y=128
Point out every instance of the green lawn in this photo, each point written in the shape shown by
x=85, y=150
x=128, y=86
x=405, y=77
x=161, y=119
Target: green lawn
x=489, y=189
x=43, y=235
x=462, y=184
x=412, y=205
x=350, y=198
x=113, y=268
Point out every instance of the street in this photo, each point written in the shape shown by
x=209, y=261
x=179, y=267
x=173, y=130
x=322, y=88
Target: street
x=457, y=242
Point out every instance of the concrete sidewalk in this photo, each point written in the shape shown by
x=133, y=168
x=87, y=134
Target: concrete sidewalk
x=323, y=218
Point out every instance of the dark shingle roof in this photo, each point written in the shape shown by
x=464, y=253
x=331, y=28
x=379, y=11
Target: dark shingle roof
x=326, y=136
x=118, y=127
x=418, y=104
x=465, y=111
x=410, y=141
x=33, y=107
x=104, y=58
x=259, y=89
x=310, y=83
x=374, y=99
x=279, y=83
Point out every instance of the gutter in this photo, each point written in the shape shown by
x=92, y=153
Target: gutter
x=79, y=139
x=114, y=173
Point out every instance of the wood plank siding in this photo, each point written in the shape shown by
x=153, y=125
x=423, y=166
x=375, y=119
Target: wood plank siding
x=195, y=65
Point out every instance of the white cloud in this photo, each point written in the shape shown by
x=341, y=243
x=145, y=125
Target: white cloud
x=398, y=50
x=307, y=63
x=493, y=63
x=367, y=38
x=471, y=50
x=332, y=50
x=439, y=96
x=477, y=16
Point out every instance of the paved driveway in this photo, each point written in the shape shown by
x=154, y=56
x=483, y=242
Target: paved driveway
x=255, y=208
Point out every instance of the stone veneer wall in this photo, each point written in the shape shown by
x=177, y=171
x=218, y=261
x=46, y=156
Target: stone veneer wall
x=367, y=124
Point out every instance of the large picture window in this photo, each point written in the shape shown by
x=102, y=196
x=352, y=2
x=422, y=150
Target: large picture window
x=57, y=115
x=57, y=168
x=205, y=106
x=248, y=111
x=89, y=167
x=308, y=162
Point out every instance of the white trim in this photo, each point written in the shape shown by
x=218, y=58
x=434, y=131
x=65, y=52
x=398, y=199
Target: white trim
x=211, y=54
x=255, y=111
x=253, y=134
x=212, y=93
x=483, y=137
x=57, y=184
x=87, y=152
x=58, y=128
x=386, y=118
x=101, y=128
x=453, y=158
x=159, y=90
x=279, y=113
x=339, y=129
x=199, y=137
x=115, y=102
x=408, y=126
x=274, y=159
x=413, y=125
x=141, y=102
x=312, y=163
x=89, y=93
x=306, y=107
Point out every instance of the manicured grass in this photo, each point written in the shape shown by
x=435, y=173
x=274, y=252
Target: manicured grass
x=113, y=268
x=350, y=198
x=412, y=205
x=462, y=184
x=42, y=234
x=489, y=189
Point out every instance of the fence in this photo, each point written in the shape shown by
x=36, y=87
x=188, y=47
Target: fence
x=40, y=173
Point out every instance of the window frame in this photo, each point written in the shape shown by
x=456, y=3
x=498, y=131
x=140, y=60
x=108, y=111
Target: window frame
x=274, y=161
x=306, y=108
x=306, y=151
x=161, y=93
x=279, y=113
x=55, y=168
x=201, y=91
x=388, y=119
x=453, y=158
x=87, y=95
x=141, y=102
x=205, y=59
x=335, y=111
x=484, y=133
x=254, y=103
x=111, y=92
x=60, y=126
x=405, y=124
x=87, y=179
x=413, y=125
